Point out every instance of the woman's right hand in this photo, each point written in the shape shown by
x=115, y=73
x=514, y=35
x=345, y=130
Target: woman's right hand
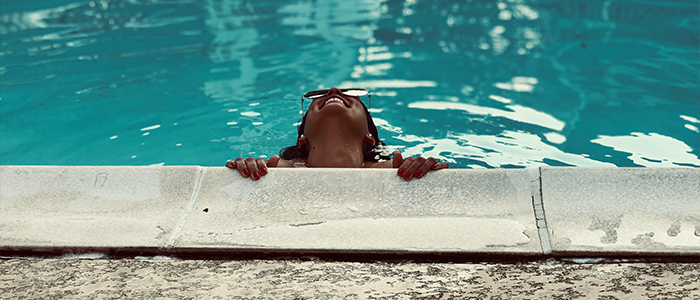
x=251, y=167
x=417, y=167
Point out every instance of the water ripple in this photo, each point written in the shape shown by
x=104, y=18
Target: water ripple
x=481, y=84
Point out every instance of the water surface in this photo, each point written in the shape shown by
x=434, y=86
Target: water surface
x=481, y=84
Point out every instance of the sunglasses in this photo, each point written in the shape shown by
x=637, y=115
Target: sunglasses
x=353, y=92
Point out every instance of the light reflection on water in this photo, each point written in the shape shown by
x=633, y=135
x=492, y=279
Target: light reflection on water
x=477, y=83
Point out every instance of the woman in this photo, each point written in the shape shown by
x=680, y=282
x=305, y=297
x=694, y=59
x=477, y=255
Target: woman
x=337, y=131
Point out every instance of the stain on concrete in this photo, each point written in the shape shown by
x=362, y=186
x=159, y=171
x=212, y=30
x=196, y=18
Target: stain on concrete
x=607, y=225
x=645, y=241
x=674, y=230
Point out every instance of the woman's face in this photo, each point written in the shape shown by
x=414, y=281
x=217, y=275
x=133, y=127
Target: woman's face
x=336, y=114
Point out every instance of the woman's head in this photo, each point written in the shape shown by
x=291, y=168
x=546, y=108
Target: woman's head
x=337, y=113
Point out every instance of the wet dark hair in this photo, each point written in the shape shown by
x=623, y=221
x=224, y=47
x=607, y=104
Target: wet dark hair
x=374, y=154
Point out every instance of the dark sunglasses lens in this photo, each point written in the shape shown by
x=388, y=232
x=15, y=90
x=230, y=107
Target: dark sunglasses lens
x=316, y=94
x=348, y=92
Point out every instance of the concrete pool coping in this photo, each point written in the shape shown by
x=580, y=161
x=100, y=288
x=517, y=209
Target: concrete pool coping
x=184, y=210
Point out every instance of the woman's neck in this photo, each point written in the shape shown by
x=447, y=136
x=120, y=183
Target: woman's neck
x=336, y=152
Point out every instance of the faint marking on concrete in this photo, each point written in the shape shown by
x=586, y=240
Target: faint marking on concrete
x=100, y=179
x=538, y=206
x=306, y=224
x=408, y=233
x=188, y=210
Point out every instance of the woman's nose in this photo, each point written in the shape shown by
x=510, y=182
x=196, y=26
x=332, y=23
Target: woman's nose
x=334, y=90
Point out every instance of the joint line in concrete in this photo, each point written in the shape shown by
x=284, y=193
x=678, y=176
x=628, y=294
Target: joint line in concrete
x=188, y=210
x=538, y=206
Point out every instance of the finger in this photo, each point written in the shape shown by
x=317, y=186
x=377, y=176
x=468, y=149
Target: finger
x=241, y=167
x=262, y=166
x=252, y=166
x=398, y=159
x=404, y=166
x=413, y=168
x=425, y=167
x=231, y=164
x=273, y=161
x=441, y=165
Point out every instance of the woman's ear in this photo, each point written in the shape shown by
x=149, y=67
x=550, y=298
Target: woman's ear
x=370, y=140
x=302, y=141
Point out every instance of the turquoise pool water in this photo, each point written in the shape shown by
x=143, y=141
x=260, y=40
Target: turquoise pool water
x=482, y=84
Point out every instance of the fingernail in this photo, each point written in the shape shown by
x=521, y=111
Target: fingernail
x=400, y=172
x=263, y=171
x=418, y=173
x=231, y=164
x=435, y=166
x=245, y=172
x=406, y=175
x=256, y=175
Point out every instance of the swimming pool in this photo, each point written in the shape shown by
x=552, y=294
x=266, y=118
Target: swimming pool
x=482, y=84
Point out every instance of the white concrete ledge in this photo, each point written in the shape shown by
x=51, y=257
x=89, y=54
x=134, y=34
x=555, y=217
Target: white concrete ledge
x=622, y=209
x=563, y=211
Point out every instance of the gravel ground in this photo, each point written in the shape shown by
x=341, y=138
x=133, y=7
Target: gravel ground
x=164, y=278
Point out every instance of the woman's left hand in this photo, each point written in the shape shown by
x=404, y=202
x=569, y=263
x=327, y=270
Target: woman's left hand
x=416, y=167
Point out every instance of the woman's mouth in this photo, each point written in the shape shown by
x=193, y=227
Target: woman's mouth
x=334, y=100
